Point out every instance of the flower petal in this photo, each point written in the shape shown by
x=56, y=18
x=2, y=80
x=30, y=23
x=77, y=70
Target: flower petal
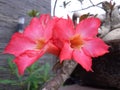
x=40, y=28
x=66, y=52
x=64, y=28
x=34, y=30
x=26, y=59
x=47, y=24
x=95, y=47
x=84, y=60
x=18, y=44
x=88, y=28
x=44, y=19
x=51, y=48
x=57, y=42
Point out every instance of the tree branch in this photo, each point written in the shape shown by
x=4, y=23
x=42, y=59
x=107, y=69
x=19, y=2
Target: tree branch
x=91, y=2
x=60, y=78
x=96, y=5
x=54, y=7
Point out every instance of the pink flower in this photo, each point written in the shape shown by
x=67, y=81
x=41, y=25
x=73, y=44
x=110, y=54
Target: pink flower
x=35, y=41
x=79, y=43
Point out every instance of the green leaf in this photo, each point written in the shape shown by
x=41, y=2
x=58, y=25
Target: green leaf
x=33, y=13
x=7, y=81
x=12, y=66
x=10, y=63
x=46, y=71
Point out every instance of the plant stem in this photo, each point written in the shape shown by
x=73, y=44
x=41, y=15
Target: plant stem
x=28, y=86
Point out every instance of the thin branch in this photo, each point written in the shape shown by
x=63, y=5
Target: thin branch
x=54, y=7
x=81, y=1
x=91, y=2
x=89, y=7
x=66, y=3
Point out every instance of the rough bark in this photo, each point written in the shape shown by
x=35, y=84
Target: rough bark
x=62, y=76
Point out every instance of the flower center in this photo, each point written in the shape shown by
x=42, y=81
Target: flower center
x=76, y=41
x=40, y=44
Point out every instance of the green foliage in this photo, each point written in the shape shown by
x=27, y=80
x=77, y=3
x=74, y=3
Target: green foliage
x=7, y=81
x=34, y=13
x=34, y=78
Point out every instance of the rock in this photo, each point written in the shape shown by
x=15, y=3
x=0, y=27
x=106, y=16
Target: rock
x=106, y=70
x=113, y=35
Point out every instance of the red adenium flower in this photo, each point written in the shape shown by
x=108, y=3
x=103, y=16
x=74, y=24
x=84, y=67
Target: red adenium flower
x=79, y=43
x=30, y=45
